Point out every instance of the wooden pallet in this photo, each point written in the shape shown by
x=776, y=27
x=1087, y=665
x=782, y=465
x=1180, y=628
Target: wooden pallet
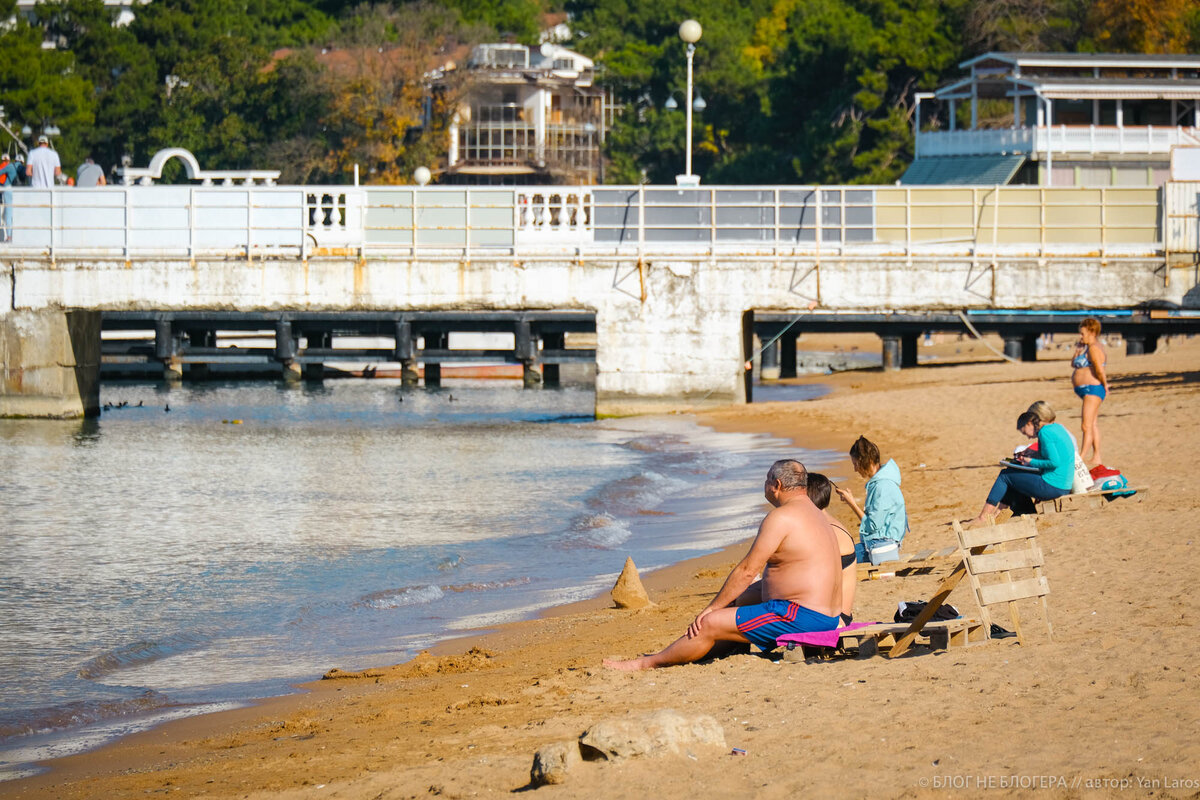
x=1093, y=499
x=919, y=563
x=868, y=641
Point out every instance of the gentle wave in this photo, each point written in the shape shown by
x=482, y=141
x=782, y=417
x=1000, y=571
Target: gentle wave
x=74, y=715
x=596, y=531
x=399, y=598
x=428, y=593
x=628, y=496
x=486, y=586
x=136, y=654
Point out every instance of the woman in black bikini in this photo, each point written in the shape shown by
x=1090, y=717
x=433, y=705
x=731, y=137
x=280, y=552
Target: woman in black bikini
x=819, y=490
x=1091, y=385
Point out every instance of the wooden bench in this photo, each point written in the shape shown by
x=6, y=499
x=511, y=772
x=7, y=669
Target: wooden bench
x=919, y=563
x=1097, y=498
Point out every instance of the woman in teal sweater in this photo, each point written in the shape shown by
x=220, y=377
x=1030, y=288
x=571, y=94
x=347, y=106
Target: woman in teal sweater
x=1055, y=465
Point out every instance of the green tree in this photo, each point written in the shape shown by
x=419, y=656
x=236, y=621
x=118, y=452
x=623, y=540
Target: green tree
x=519, y=19
x=119, y=68
x=41, y=87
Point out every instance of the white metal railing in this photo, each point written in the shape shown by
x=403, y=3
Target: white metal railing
x=300, y=222
x=1076, y=139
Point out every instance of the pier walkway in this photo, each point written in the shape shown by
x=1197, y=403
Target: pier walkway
x=675, y=281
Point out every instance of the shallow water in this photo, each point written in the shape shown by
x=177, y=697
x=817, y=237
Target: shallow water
x=156, y=562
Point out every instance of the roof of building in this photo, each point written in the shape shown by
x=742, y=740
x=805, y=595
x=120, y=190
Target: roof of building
x=1077, y=88
x=962, y=170
x=1125, y=60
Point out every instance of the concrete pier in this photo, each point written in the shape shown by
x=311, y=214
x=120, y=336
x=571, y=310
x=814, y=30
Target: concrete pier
x=671, y=280
x=50, y=362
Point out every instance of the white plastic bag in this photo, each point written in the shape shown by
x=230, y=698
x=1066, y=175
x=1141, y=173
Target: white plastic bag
x=1082, y=480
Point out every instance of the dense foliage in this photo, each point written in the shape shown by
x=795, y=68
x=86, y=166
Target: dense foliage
x=796, y=90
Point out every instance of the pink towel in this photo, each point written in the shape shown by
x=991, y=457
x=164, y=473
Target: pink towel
x=820, y=638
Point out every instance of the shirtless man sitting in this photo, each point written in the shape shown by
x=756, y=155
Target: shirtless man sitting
x=796, y=551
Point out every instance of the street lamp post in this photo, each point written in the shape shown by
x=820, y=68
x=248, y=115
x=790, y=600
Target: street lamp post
x=690, y=32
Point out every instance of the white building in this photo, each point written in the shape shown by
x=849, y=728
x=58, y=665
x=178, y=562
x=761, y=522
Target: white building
x=1059, y=119
x=524, y=115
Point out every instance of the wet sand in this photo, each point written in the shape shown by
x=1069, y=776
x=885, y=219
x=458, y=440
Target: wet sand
x=1106, y=708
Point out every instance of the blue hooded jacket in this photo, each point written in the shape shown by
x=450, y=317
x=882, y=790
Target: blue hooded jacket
x=885, y=516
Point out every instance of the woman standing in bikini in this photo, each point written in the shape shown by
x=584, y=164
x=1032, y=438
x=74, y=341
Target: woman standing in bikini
x=1091, y=384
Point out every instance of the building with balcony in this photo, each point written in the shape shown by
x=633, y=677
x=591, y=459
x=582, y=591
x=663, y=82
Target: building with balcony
x=523, y=115
x=1058, y=119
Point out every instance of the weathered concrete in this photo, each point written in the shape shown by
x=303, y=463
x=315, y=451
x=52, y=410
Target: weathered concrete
x=50, y=363
x=671, y=331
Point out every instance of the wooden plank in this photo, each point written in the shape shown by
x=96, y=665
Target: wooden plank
x=1023, y=528
x=1005, y=592
x=1001, y=562
x=935, y=602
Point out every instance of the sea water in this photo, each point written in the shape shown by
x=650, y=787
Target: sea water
x=199, y=546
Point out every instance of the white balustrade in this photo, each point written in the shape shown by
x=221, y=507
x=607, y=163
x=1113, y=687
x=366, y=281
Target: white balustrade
x=554, y=215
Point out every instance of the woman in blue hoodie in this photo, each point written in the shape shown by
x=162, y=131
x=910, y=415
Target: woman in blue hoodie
x=884, y=519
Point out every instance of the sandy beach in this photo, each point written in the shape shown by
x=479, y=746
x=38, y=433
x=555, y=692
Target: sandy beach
x=1106, y=708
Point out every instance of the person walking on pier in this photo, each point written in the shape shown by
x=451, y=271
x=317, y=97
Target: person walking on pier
x=43, y=167
x=90, y=174
x=8, y=177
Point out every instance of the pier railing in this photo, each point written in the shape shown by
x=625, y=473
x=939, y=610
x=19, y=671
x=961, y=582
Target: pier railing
x=1058, y=139
x=848, y=222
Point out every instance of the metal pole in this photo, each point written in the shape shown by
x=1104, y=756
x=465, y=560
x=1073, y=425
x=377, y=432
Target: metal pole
x=691, y=49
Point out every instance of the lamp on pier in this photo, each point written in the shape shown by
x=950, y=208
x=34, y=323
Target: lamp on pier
x=690, y=32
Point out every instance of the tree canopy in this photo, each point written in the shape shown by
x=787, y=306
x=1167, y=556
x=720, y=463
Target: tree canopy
x=796, y=90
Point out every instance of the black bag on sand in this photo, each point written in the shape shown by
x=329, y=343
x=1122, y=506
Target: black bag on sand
x=907, y=611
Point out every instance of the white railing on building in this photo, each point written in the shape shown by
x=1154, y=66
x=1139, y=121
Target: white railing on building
x=1059, y=139
x=300, y=222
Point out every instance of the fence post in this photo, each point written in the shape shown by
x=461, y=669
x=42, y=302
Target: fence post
x=53, y=222
x=249, y=218
x=125, y=232
x=641, y=221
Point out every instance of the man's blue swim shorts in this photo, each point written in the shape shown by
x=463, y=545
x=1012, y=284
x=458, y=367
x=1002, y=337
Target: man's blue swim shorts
x=762, y=624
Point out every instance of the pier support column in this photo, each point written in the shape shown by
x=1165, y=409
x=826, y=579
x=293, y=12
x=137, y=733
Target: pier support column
x=647, y=362
x=768, y=369
x=1139, y=344
x=405, y=354
x=908, y=349
x=50, y=364
x=286, y=349
x=892, y=357
x=315, y=371
x=527, y=354
x=166, y=350
x=1022, y=346
x=787, y=356
x=433, y=371
x=552, y=341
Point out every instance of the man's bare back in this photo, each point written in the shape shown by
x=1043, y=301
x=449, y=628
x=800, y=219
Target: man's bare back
x=796, y=551
x=799, y=570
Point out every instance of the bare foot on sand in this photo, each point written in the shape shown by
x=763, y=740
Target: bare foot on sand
x=629, y=665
